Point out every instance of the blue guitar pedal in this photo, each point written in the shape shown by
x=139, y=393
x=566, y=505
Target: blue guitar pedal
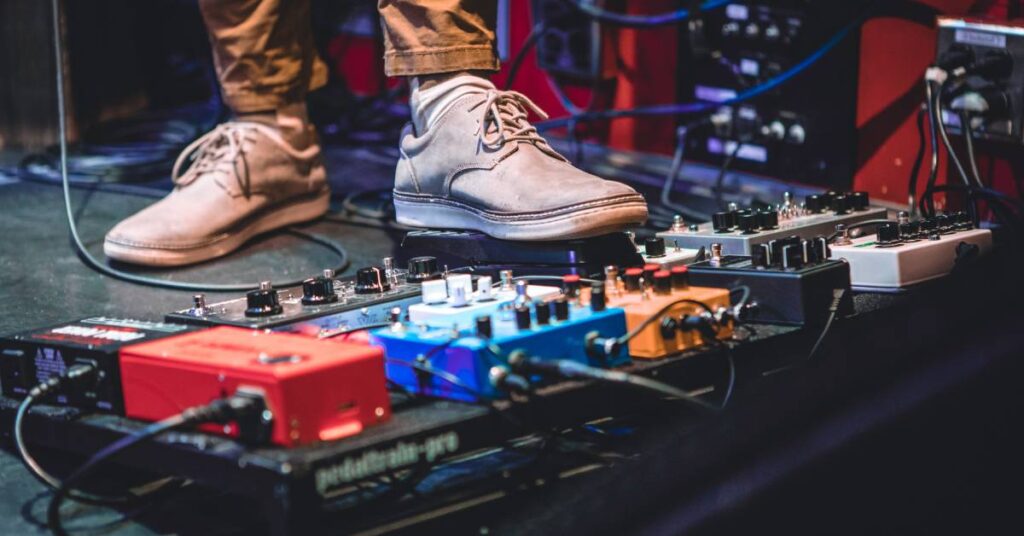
x=463, y=359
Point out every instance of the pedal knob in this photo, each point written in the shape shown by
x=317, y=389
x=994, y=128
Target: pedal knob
x=817, y=249
x=761, y=255
x=318, y=290
x=748, y=223
x=888, y=234
x=768, y=219
x=680, y=277
x=815, y=204
x=928, y=227
x=654, y=246
x=543, y=311
x=561, y=309
x=859, y=200
x=571, y=285
x=523, y=320
x=910, y=230
x=722, y=222
x=663, y=282
x=964, y=220
x=597, y=298
x=483, y=327
x=943, y=223
x=631, y=279
x=371, y=280
x=484, y=289
x=422, y=269
x=840, y=204
x=649, y=270
x=793, y=256
x=434, y=291
x=262, y=301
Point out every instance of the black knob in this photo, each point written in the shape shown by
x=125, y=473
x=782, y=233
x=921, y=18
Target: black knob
x=840, y=204
x=748, y=223
x=571, y=285
x=318, y=290
x=722, y=222
x=543, y=311
x=523, y=320
x=793, y=256
x=561, y=309
x=262, y=301
x=654, y=246
x=483, y=326
x=761, y=255
x=910, y=230
x=928, y=227
x=827, y=198
x=663, y=282
x=631, y=279
x=815, y=203
x=964, y=221
x=859, y=200
x=944, y=223
x=371, y=280
x=768, y=219
x=422, y=269
x=680, y=277
x=597, y=298
x=888, y=234
x=817, y=249
x=649, y=270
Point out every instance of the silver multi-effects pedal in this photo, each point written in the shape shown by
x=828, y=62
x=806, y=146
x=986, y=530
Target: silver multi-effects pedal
x=739, y=230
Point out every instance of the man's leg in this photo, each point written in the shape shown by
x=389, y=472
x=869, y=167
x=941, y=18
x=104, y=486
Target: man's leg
x=471, y=159
x=261, y=170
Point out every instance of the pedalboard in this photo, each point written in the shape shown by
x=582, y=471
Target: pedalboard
x=465, y=249
x=325, y=306
x=459, y=299
x=905, y=253
x=739, y=231
x=791, y=281
x=313, y=390
x=548, y=330
x=33, y=357
x=643, y=293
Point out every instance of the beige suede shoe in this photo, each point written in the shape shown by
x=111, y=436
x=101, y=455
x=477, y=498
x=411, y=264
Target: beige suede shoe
x=481, y=165
x=242, y=179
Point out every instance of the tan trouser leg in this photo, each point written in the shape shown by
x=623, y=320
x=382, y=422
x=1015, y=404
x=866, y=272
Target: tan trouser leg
x=438, y=36
x=263, y=51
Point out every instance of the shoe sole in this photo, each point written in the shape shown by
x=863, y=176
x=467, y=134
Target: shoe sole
x=436, y=213
x=297, y=211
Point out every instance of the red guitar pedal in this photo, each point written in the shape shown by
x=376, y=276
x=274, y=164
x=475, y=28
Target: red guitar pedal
x=314, y=390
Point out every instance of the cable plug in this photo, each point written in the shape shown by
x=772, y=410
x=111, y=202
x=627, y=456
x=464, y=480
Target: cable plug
x=601, y=348
x=837, y=300
x=247, y=408
x=502, y=378
x=77, y=374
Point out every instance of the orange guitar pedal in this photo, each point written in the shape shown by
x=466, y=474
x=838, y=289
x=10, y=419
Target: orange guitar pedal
x=644, y=292
x=314, y=390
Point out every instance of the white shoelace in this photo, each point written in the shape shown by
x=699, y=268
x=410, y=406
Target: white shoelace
x=508, y=112
x=222, y=151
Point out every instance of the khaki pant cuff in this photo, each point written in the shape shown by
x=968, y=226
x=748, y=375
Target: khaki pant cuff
x=441, y=60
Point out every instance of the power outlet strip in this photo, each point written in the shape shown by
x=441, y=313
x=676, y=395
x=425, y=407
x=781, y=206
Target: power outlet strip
x=465, y=353
x=906, y=263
